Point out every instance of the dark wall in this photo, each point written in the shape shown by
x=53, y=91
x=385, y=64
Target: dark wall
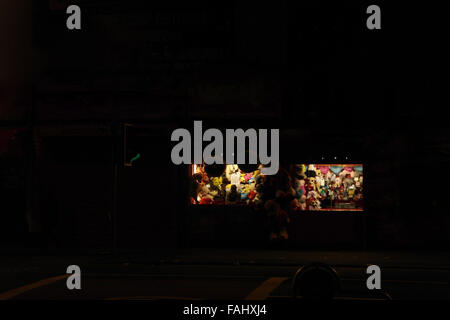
x=312, y=69
x=74, y=191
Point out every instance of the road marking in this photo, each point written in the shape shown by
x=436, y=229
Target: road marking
x=263, y=291
x=152, y=298
x=174, y=275
x=15, y=292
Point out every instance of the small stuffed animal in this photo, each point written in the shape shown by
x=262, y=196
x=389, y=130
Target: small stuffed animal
x=206, y=201
x=230, y=169
x=338, y=182
x=351, y=191
x=312, y=200
x=301, y=188
x=245, y=191
x=217, y=181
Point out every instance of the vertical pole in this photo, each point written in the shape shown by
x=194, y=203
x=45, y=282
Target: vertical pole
x=116, y=131
x=29, y=164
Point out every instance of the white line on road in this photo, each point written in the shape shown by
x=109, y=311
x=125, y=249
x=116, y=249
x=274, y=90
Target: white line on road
x=263, y=291
x=15, y=292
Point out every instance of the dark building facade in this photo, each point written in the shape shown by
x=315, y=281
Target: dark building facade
x=136, y=71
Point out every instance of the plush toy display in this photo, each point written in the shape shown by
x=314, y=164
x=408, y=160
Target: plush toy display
x=298, y=187
x=294, y=190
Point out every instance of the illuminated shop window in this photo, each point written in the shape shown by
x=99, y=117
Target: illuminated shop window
x=224, y=184
x=328, y=187
x=297, y=187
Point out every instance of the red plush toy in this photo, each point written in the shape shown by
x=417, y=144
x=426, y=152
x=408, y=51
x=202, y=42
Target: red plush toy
x=206, y=201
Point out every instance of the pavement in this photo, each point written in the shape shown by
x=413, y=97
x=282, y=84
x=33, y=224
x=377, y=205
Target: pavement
x=391, y=259
x=220, y=275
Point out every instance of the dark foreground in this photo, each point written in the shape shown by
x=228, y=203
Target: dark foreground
x=221, y=275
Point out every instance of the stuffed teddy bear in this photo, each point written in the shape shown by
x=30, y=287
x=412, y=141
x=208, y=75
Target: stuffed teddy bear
x=357, y=182
x=217, y=181
x=315, y=205
x=312, y=199
x=311, y=184
x=207, y=193
x=242, y=178
x=230, y=169
x=347, y=182
x=351, y=191
x=338, y=182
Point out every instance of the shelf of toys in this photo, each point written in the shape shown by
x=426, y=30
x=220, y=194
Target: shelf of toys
x=296, y=187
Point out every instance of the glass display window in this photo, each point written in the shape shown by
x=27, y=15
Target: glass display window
x=296, y=187
x=328, y=187
x=224, y=185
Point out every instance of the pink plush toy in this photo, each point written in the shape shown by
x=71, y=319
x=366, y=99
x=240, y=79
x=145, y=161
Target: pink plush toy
x=302, y=186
